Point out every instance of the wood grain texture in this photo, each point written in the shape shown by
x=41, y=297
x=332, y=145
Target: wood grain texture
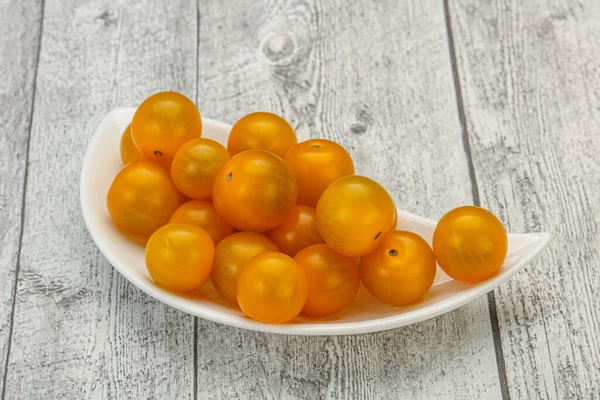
x=20, y=33
x=376, y=77
x=80, y=330
x=530, y=75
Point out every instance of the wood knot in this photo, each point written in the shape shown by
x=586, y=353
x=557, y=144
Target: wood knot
x=358, y=129
x=108, y=18
x=279, y=47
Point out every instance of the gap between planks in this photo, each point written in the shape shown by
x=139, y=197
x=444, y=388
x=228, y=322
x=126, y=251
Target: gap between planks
x=476, y=199
x=11, y=322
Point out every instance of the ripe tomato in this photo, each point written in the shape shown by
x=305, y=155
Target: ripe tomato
x=317, y=164
x=255, y=191
x=179, y=257
x=204, y=215
x=400, y=270
x=163, y=123
x=333, y=279
x=272, y=288
x=261, y=130
x=196, y=165
x=142, y=198
x=470, y=244
x=353, y=214
x=297, y=231
x=230, y=255
x=128, y=150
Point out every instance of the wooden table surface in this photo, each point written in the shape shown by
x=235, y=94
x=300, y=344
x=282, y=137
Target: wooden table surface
x=487, y=102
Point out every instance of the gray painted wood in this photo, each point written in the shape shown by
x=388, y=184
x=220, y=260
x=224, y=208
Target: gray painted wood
x=530, y=77
x=377, y=78
x=19, y=42
x=80, y=330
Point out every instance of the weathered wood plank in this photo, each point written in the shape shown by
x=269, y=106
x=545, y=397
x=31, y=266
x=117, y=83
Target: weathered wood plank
x=80, y=330
x=530, y=75
x=20, y=30
x=376, y=77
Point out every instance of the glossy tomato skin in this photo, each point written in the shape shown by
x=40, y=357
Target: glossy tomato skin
x=400, y=270
x=353, y=214
x=195, y=166
x=297, y=231
x=333, y=280
x=470, y=244
x=142, y=198
x=230, y=255
x=179, y=257
x=163, y=123
x=317, y=163
x=129, y=152
x=272, y=288
x=255, y=191
x=261, y=130
x=203, y=214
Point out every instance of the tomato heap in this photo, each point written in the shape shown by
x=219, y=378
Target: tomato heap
x=279, y=227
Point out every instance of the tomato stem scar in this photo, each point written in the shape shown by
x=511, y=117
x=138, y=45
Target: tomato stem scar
x=158, y=153
x=228, y=177
x=393, y=252
x=316, y=146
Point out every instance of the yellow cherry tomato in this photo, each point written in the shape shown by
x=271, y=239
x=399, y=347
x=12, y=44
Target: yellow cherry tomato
x=179, y=257
x=333, y=280
x=127, y=149
x=297, y=231
x=272, y=288
x=353, y=214
x=470, y=244
x=255, y=191
x=317, y=163
x=163, y=123
x=142, y=198
x=230, y=255
x=204, y=215
x=196, y=165
x=261, y=130
x=400, y=270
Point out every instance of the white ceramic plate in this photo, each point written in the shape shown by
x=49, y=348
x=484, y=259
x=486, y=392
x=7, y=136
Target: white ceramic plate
x=365, y=314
